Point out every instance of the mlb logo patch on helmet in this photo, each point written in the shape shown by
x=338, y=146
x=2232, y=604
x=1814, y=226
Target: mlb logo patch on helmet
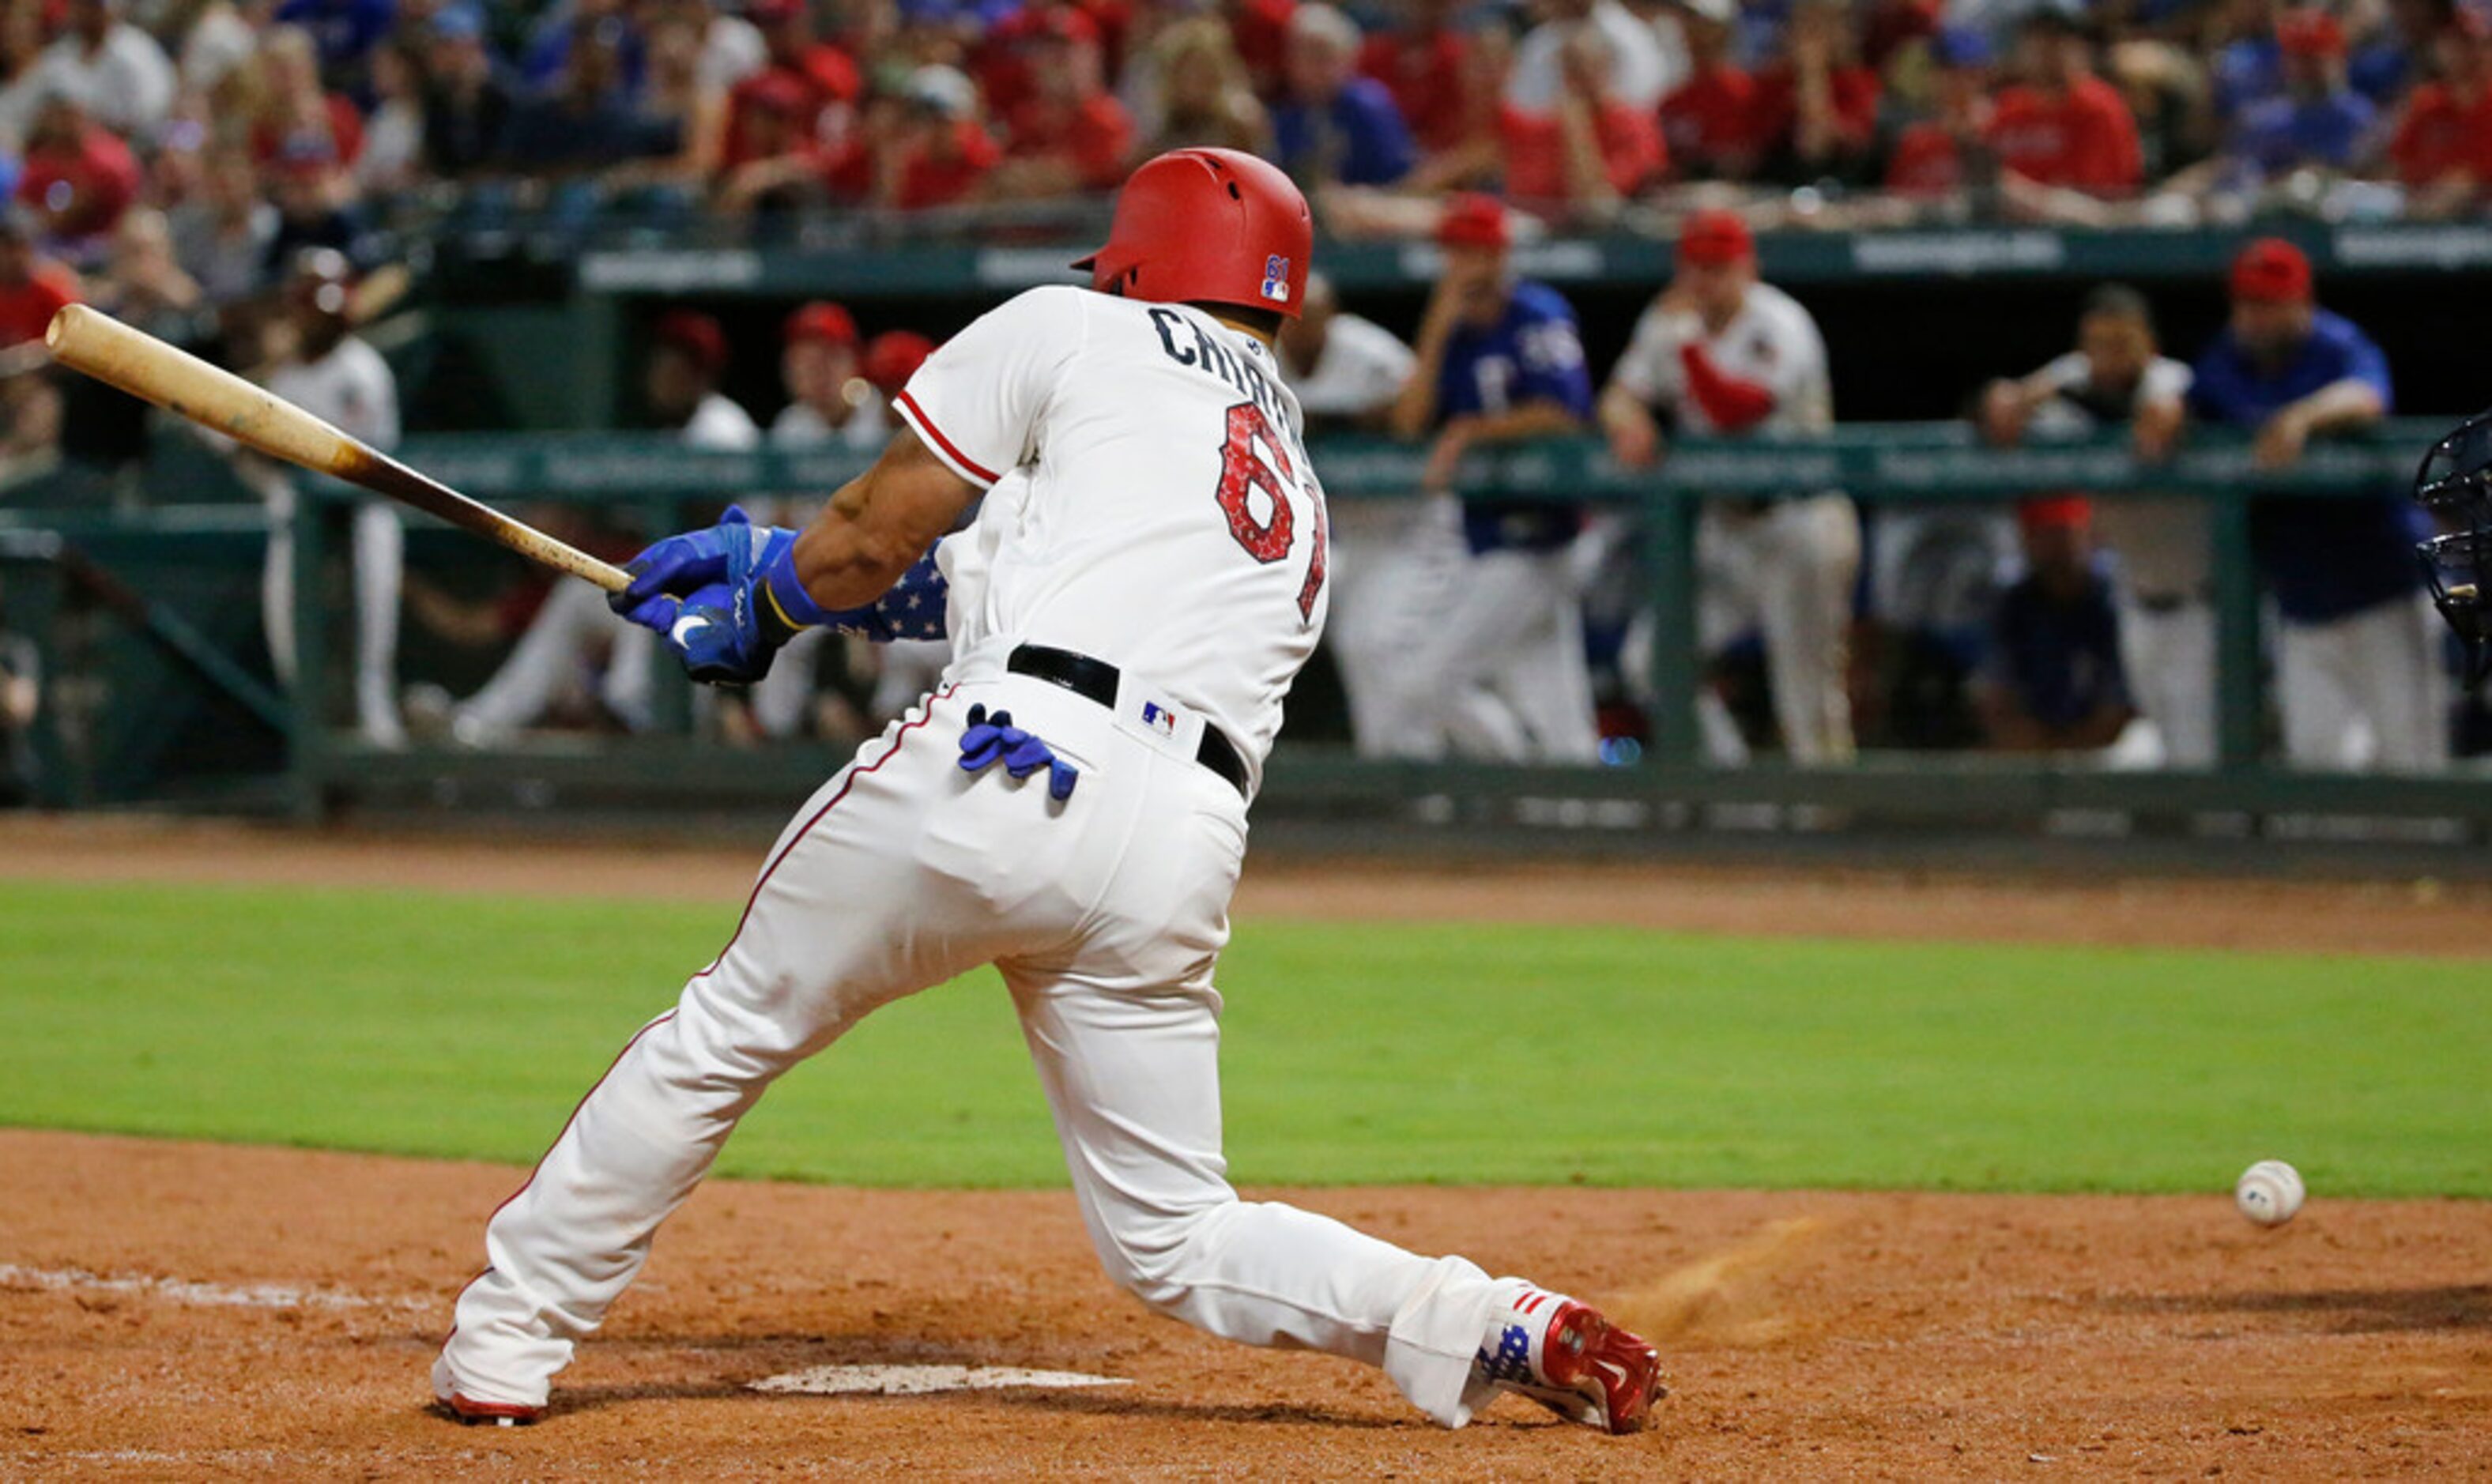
x=1276, y=279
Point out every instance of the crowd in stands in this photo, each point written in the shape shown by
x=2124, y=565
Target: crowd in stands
x=256, y=127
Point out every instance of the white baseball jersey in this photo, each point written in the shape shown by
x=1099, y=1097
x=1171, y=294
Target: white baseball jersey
x=720, y=421
x=350, y=387
x=1149, y=500
x=800, y=425
x=1361, y=369
x=1771, y=342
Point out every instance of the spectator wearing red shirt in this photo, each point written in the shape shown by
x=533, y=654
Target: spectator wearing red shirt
x=33, y=287
x=1941, y=156
x=293, y=105
x=1415, y=62
x=1262, y=31
x=1593, y=151
x=777, y=157
x=1709, y=120
x=79, y=176
x=1000, y=62
x=817, y=74
x=1069, y=134
x=1815, y=112
x=942, y=155
x=2063, y=126
x=2442, y=151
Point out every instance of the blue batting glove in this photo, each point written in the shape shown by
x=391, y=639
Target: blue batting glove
x=713, y=633
x=680, y=564
x=696, y=590
x=991, y=738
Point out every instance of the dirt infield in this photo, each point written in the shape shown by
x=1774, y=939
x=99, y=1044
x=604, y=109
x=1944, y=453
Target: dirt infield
x=174, y=1310
x=1807, y=1335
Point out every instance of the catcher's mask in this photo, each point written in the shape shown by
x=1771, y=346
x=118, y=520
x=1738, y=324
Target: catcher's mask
x=2455, y=485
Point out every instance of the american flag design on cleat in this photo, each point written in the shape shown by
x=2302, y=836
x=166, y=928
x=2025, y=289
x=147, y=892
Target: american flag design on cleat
x=1567, y=1357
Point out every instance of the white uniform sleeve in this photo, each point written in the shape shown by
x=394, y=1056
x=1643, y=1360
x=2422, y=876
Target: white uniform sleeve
x=1382, y=361
x=1649, y=370
x=2065, y=372
x=2165, y=380
x=1800, y=354
x=979, y=400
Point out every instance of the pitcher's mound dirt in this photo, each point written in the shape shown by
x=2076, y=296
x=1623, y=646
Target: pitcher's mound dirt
x=1807, y=1335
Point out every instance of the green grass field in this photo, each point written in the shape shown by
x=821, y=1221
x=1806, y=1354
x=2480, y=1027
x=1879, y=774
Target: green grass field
x=467, y=1026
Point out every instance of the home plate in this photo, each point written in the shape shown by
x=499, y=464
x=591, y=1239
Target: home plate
x=921, y=1379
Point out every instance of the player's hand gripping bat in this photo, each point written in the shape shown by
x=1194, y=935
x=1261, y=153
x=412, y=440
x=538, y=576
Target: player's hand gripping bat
x=139, y=364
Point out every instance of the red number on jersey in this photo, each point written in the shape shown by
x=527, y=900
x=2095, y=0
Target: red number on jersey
x=1243, y=473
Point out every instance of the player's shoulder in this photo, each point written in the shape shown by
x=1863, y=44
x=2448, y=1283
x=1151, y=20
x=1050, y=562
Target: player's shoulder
x=1051, y=304
x=2336, y=331
x=1778, y=305
x=1370, y=340
x=1534, y=300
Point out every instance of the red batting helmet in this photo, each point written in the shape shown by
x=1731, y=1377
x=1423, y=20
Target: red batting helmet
x=1213, y=225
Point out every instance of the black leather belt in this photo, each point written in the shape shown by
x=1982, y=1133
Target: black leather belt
x=1097, y=679
x=2167, y=603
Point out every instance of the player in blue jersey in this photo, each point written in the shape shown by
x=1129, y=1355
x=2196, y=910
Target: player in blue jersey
x=1501, y=671
x=2358, y=680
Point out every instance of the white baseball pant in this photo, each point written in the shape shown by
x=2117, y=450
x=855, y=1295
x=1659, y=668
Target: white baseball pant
x=2365, y=690
x=548, y=662
x=1106, y=915
x=2169, y=651
x=1392, y=581
x=379, y=562
x=1788, y=569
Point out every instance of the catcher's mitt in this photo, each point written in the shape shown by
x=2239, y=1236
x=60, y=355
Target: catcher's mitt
x=2455, y=485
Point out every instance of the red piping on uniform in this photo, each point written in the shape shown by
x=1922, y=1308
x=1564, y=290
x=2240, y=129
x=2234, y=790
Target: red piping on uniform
x=549, y=1153
x=898, y=738
x=926, y=425
x=1730, y=404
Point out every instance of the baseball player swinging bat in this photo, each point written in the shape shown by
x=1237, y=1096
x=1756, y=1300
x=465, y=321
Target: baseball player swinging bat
x=94, y=343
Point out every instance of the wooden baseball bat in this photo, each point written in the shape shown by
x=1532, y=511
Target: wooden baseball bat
x=101, y=346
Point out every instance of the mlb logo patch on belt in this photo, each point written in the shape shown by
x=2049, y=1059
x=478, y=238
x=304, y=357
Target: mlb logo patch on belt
x=1276, y=279
x=1159, y=719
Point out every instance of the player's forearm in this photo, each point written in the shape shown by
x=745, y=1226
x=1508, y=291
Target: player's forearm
x=1536, y=419
x=844, y=560
x=1619, y=410
x=2337, y=406
x=1414, y=407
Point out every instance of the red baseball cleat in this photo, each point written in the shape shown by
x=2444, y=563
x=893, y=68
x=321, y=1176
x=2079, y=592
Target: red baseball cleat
x=1568, y=1358
x=473, y=1413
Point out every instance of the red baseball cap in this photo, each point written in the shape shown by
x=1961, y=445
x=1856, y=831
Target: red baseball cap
x=822, y=321
x=2310, y=34
x=697, y=336
x=892, y=357
x=1713, y=237
x=1471, y=220
x=2272, y=269
x=1064, y=24
x=2056, y=512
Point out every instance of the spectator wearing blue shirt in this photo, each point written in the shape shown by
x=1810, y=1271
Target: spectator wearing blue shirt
x=2317, y=120
x=1501, y=672
x=2358, y=681
x=1332, y=125
x=2249, y=68
x=345, y=30
x=2053, y=682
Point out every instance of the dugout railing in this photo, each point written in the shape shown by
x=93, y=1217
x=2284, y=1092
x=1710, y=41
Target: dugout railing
x=653, y=484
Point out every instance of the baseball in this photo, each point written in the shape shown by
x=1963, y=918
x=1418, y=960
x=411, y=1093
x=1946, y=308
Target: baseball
x=2268, y=1192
